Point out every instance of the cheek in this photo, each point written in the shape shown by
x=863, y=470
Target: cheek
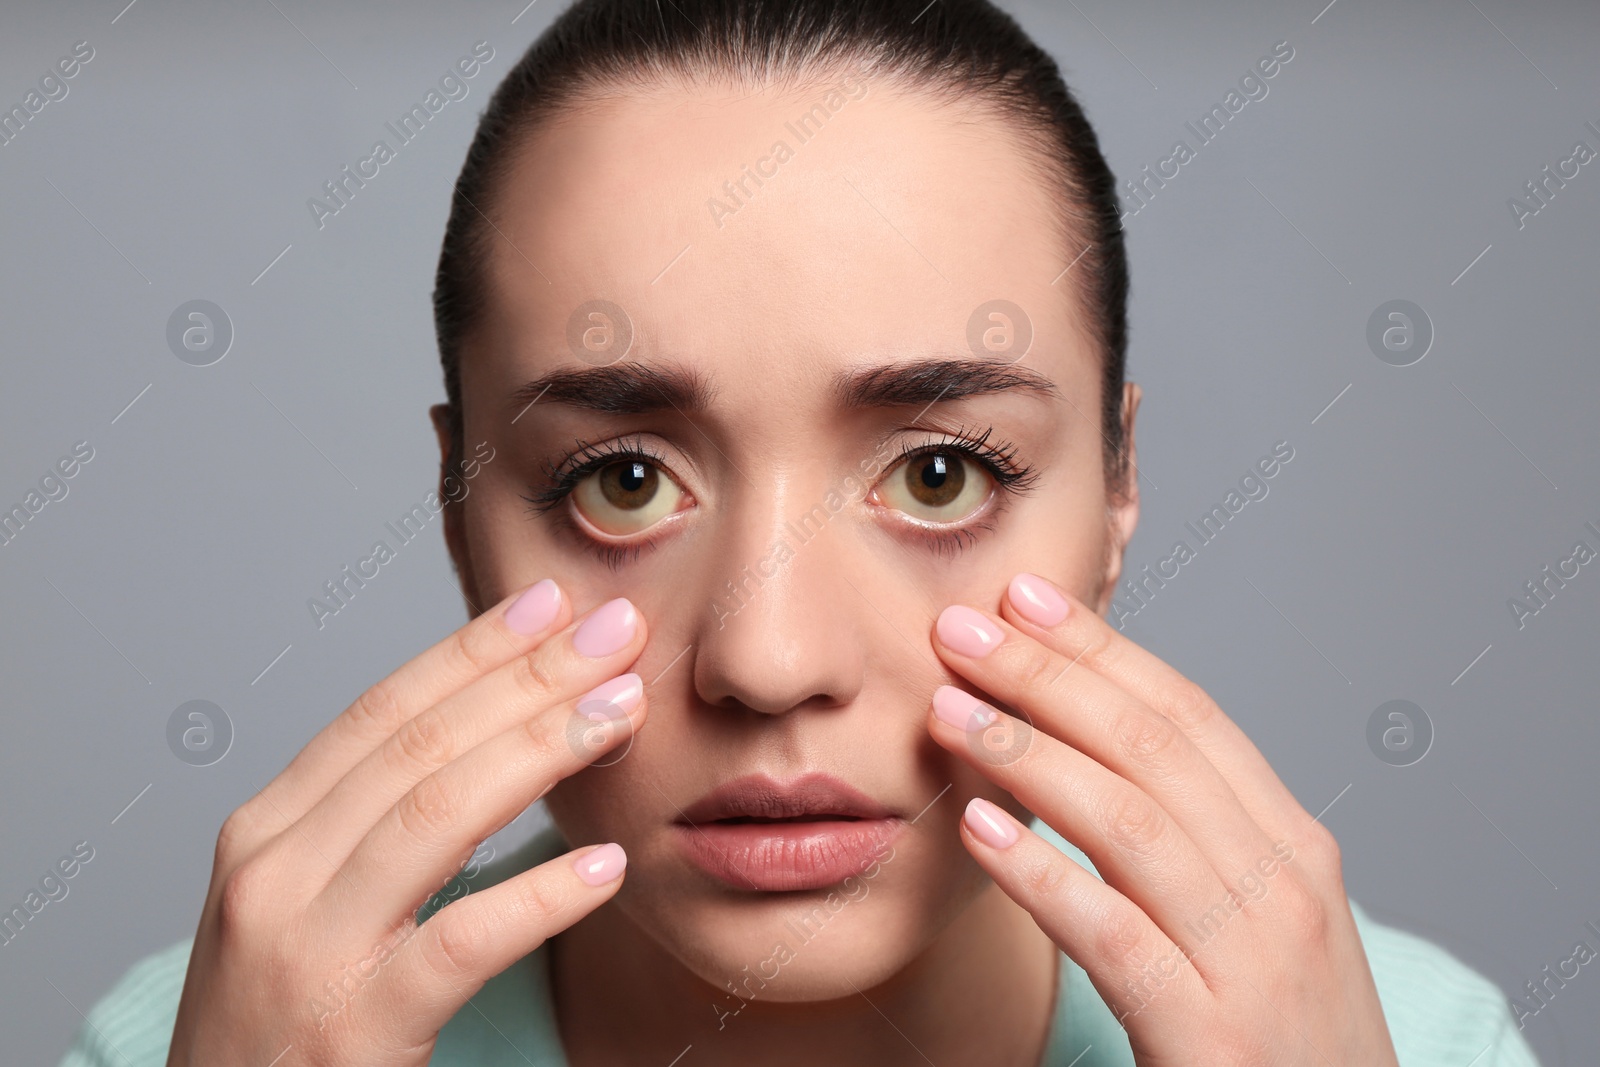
x=1060, y=531
x=509, y=547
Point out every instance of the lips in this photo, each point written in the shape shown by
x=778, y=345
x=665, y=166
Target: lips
x=756, y=833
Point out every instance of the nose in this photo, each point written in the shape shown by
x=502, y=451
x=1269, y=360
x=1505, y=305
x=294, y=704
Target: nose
x=784, y=629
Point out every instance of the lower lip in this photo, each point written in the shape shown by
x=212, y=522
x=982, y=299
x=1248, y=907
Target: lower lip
x=786, y=856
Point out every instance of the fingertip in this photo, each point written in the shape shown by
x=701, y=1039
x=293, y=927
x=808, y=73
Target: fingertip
x=535, y=609
x=961, y=709
x=608, y=629
x=1037, y=599
x=990, y=823
x=601, y=865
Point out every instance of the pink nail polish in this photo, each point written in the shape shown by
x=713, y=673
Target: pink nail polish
x=602, y=865
x=989, y=824
x=612, y=700
x=609, y=629
x=535, y=609
x=961, y=710
x=1036, y=599
x=968, y=632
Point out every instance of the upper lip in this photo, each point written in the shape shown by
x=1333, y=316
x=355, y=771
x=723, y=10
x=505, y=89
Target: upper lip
x=764, y=797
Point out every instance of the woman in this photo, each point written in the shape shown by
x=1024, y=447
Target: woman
x=787, y=342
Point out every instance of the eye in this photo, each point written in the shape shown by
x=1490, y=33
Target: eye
x=937, y=486
x=625, y=497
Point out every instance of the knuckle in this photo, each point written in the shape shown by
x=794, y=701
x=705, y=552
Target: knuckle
x=543, y=900
x=379, y=708
x=423, y=742
x=1042, y=877
x=1322, y=845
x=428, y=809
x=532, y=677
x=237, y=837
x=1135, y=825
x=1190, y=706
x=1037, y=668
x=545, y=745
x=1305, y=915
x=469, y=652
x=457, y=940
x=244, y=895
x=1319, y=851
x=1119, y=937
x=1097, y=645
x=1145, y=739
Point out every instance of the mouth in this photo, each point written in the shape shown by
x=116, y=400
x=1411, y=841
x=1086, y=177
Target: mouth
x=758, y=834
x=760, y=798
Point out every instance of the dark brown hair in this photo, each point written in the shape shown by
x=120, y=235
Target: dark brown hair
x=954, y=50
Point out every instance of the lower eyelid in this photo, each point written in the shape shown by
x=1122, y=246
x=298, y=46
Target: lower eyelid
x=584, y=526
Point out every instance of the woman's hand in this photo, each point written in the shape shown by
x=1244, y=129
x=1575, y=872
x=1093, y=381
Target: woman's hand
x=1220, y=933
x=308, y=951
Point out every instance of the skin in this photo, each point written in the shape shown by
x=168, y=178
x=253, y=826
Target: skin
x=871, y=246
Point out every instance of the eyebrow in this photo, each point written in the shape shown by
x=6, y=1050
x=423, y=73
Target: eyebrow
x=932, y=380
x=638, y=389
x=619, y=389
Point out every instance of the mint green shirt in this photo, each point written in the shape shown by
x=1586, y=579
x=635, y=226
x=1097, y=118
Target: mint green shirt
x=1440, y=1012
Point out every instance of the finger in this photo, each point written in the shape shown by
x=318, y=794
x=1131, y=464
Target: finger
x=427, y=835
x=510, y=629
x=597, y=647
x=1102, y=720
x=1133, y=843
x=1138, y=971
x=450, y=956
x=1040, y=608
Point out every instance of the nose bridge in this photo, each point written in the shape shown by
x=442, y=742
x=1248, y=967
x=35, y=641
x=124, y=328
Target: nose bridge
x=783, y=625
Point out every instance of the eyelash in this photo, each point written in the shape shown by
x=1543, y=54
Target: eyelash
x=999, y=460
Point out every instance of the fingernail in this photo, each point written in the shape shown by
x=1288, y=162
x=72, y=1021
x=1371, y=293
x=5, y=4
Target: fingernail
x=961, y=710
x=1036, y=599
x=535, y=609
x=602, y=865
x=989, y=824
x=968, y=632
x=613, y=699
x=607, y=630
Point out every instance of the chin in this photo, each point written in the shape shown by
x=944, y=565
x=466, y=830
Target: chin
x=807, y=945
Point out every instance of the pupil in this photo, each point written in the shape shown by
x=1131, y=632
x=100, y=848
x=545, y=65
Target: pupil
x=937, y=482
x=629, y=485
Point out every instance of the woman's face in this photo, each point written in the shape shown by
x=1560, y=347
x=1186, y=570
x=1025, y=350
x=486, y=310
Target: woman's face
x=787, y=554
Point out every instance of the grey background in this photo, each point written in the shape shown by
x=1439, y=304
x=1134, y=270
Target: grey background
x=1379, y=566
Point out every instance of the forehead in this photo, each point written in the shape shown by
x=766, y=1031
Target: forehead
x=775, y=232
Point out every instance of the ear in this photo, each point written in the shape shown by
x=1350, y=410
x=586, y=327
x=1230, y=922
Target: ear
x=455, y=517
x=1123, y=513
